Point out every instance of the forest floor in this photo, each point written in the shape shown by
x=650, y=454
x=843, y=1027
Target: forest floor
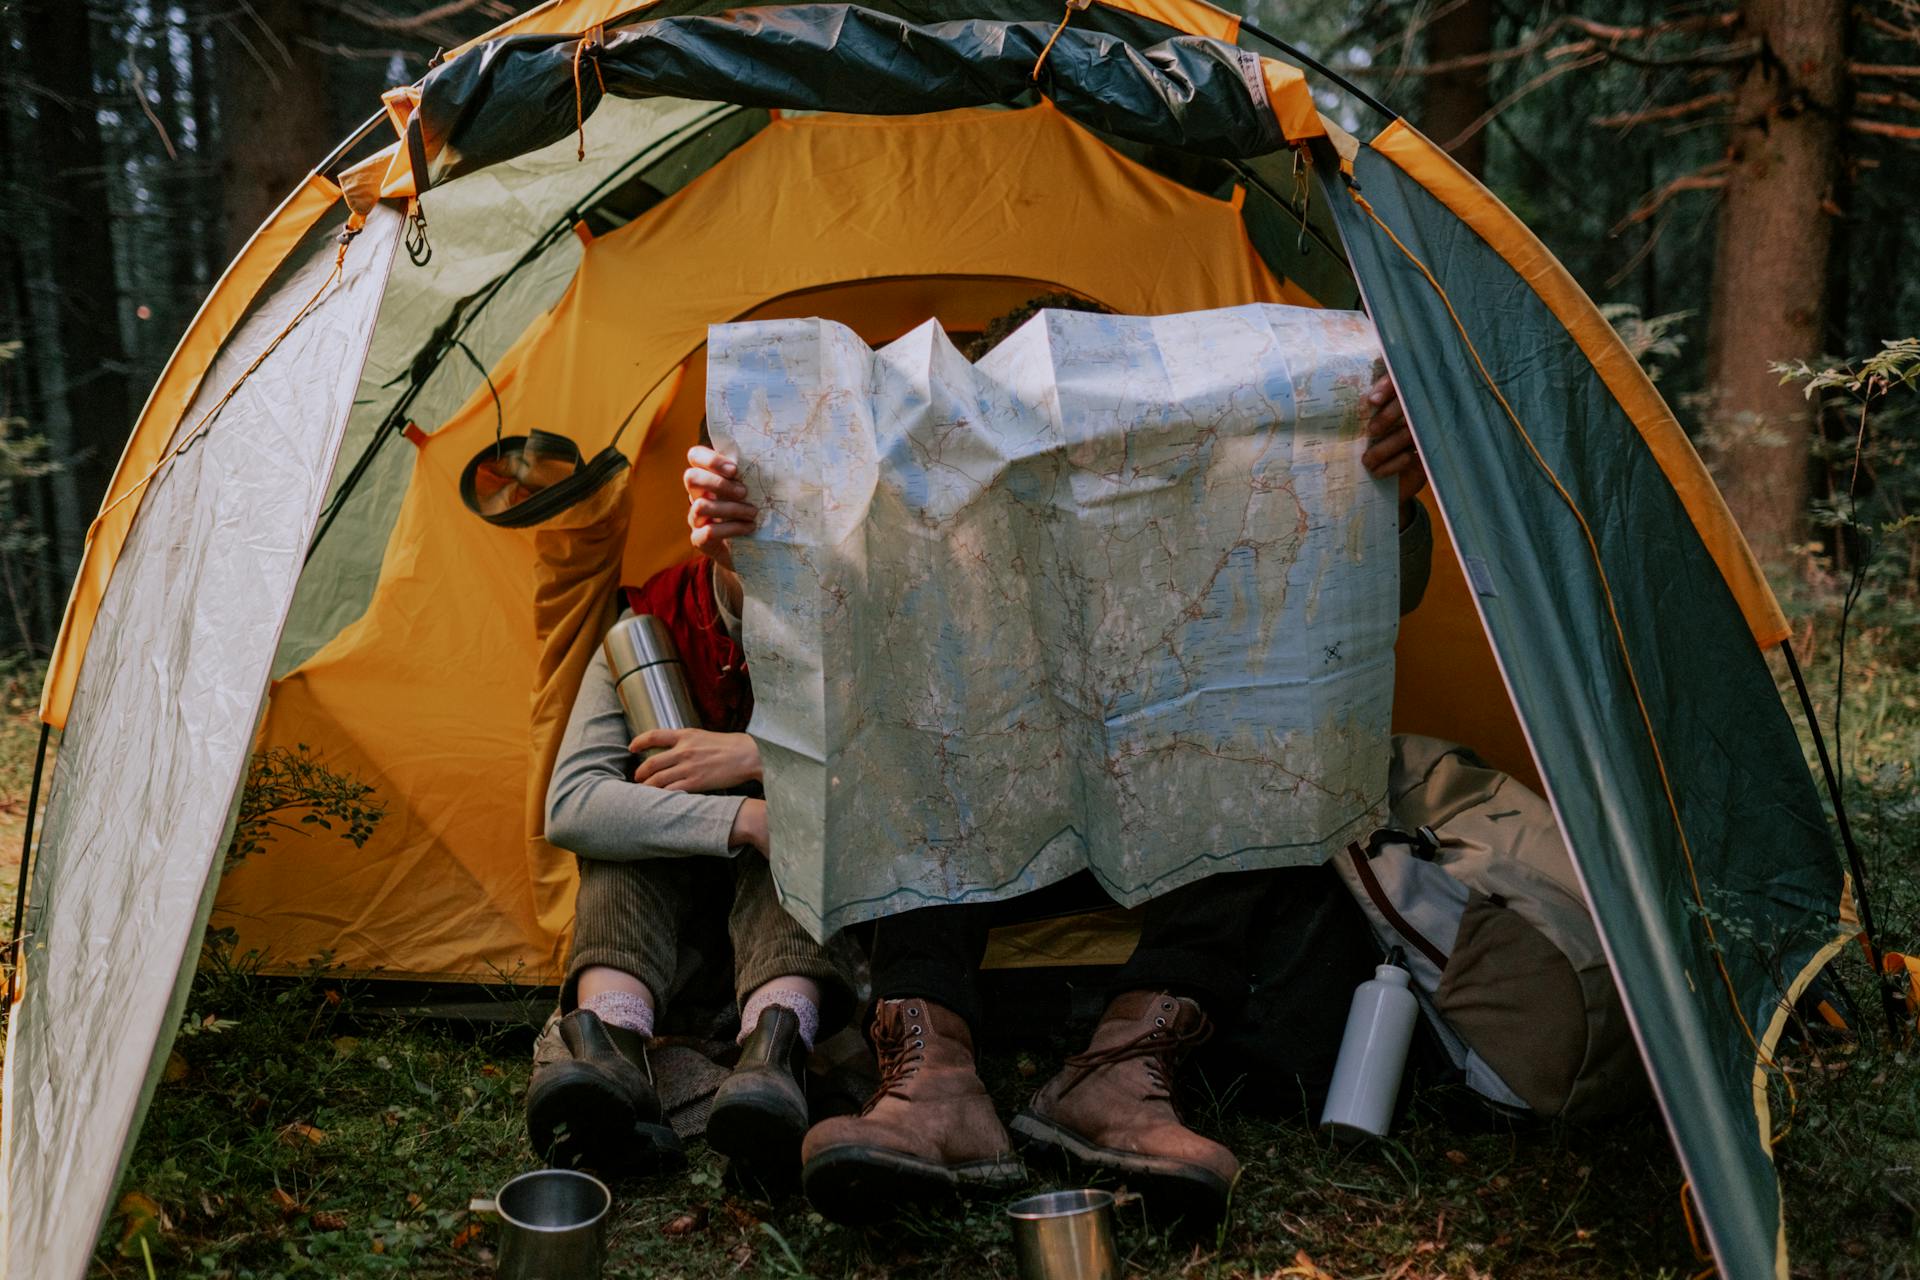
x=299, y=1132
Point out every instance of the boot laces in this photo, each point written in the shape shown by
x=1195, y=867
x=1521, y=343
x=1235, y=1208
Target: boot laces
x=899, y=1042
x=1162, y=1045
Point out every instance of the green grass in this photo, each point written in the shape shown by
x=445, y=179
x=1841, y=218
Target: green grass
x=301, y=1133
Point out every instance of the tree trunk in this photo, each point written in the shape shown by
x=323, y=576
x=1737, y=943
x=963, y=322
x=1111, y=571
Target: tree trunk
x=1770, y=265
x=29, y=498
x=83, y=307
x=1456, y=100
x=207, y=239
x=273, y=110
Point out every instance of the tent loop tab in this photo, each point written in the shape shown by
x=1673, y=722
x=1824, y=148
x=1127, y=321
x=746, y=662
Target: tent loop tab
x=591, y=41
x=419, y=248
x=1302, y=192
x=1073, y=7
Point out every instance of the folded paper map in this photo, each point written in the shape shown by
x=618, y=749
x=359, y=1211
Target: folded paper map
x=1119, y=597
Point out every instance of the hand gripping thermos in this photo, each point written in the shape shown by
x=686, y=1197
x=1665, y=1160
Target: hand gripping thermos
x=1373, y=1055
x=649, y=676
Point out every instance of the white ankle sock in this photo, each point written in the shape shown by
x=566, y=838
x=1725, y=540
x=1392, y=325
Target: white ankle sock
x=804, y=1009
x=622, y=1009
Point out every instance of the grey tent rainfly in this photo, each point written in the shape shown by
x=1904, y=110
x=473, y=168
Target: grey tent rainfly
x=1598, y=607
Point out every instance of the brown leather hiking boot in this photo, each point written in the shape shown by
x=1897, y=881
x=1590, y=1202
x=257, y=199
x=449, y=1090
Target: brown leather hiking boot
x=928, y=1131
x=1113, y=1107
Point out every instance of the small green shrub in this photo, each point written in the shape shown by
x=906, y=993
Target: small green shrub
x=291, y=790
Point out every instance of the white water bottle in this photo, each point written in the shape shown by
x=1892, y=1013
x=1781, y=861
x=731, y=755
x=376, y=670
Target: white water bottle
x=1373, y=1055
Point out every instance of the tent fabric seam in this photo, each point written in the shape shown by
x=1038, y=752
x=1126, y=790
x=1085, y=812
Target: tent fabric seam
x=576, y=17
x=1456, y=190
x=1626, y=655
x=107, y=537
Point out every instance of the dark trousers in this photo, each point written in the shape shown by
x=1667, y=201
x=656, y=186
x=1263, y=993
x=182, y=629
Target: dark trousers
x=643, y=917
x=1194, y=941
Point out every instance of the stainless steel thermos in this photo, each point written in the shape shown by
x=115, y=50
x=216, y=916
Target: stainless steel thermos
x=649, y=676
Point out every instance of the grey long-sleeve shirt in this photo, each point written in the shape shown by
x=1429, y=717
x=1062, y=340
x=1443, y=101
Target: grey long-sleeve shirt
x=597, y=810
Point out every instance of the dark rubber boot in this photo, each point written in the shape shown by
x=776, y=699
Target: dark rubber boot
x=760, y=1110
x=597, y=1109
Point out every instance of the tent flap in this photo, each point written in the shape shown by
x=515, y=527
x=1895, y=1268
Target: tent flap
x=1675, y=773
x=161, y=727
x=528, y=91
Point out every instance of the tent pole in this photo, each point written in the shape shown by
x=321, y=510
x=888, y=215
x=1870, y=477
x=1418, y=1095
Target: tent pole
x=26, y=868
x=396, y=419
x=1888, y=1001
x=1257, y=183
x=326, y=167
x=1314, y=64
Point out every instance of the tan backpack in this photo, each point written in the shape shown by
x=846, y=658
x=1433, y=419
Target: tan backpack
x=1476, y=889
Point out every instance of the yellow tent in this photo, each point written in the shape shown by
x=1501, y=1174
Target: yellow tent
x=285, y=559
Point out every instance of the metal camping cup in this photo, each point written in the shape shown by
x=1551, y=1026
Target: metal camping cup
x=649, y=676
x=1065, y=1235
x=553, y=1225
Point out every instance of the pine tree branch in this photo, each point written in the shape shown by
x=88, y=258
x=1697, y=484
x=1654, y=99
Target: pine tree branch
x=1883, y=71
x=1602, y=37
x=1885, y=129
x=1673, y=111
x=414, y=24
x=140, y=96
x=1910, y=34
x=1897, y=101
x=1526, y=90
x=1710, y=178
x=335, y=50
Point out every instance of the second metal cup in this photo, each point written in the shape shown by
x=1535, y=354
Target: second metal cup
x=1065, y=1235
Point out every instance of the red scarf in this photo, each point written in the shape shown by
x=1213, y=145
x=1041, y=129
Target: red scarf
x=682, y=598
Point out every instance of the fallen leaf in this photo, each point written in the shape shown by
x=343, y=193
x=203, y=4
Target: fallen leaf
x=413, y=1200
x=143, y=1220
x=379, y=1244
x=742, y=1254
x=684, y=1224
x=284, y=1202
x=176, y=1069
x=345, y=1045
x=466, y=1235
x=1456, y=1157
x=1303, y=1268
x=296, y=1133
x=488, y=1069
x=325, y=1220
